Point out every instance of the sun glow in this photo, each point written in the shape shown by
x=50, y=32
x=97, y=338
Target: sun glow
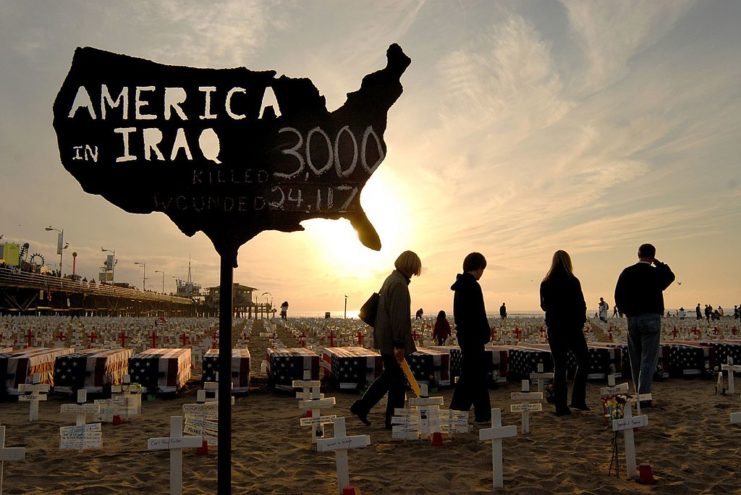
x=386, y=208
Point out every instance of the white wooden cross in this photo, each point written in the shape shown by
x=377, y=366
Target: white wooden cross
x=213, y=387
x=129, y=395
x=8, y=454
x=315, y=403
x=307, y=388
x=626, y=424
x=340, y=443
x=175, y=443
x=496, y=433
x=33, y=393
x=82, y=435
x=427, y=410
x=736, y=418
x=731, y=369
x=540, y=377
x=527, y=402
x=611, y=389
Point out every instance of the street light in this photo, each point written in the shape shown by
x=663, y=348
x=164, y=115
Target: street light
x=60, y=245
x=346, y=306
x=163, y=279
x=144, y=280
x=113, y=263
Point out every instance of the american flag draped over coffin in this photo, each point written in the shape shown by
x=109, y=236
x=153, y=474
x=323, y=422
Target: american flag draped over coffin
x=91, y=369
x=18, y=367
x=602, y=357
x=524, y=360
x=291, y=363
x=351, y=367
x=240, y=368
x=431, y=364
x=685, y=359
x=497, y=355
x=721, y=351
x=161, y=370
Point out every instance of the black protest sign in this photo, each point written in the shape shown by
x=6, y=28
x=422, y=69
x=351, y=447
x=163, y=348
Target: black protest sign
x=197, y=144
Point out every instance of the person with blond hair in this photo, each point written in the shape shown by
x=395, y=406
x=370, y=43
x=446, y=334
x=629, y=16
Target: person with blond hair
x=562, y=300
x=392, y=336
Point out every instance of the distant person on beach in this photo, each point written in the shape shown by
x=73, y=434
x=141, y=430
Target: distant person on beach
x=562, y=300
x=602, y=309
x=736, y=312
x=708, y=312
x=639, y=294
x=615, y=312
x=419, y=314
x=503, y=311
x=698, y=312
x=392, y=336
x=473, y=332
x=441, y=331
x=681, y=313
x=284, y=310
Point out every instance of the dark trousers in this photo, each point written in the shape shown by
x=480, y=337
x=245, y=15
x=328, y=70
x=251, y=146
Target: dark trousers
x=472, y=388
x=391, y=380
x=561, y=339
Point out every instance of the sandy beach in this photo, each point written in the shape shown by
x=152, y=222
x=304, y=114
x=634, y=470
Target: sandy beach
x=689, y=443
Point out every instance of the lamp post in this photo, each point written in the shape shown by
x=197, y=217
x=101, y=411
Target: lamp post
x=266, y=300
x=163, y=279
x=144, y=279
x=346, y=306
x=113, y=263
x=60, y=245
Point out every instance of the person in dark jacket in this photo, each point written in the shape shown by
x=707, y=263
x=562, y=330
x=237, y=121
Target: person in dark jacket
x=473, y=332
x=640, y=295
x=392, y=336
x=562, y=300
x=441, y=331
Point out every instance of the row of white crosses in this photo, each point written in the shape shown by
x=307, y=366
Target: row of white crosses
x=424, y=419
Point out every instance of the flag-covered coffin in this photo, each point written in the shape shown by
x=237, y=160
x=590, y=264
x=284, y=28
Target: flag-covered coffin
x=497, y=355
x=160, y=370
x=603, y=358
x=91, y=369
x=240, y=368
x=431, y=365
x=721, y=351
x=351, y=367
x=19, y=366
x=291, y=363
x=661, y=372
x=524, y=360
x=685, y=359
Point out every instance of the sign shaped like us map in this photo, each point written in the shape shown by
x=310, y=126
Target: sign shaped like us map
x=200, y=146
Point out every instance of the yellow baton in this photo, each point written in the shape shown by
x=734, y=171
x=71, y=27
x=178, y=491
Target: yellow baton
x=410, y=378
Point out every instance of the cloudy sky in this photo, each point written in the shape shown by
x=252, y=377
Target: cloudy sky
x=524, y=127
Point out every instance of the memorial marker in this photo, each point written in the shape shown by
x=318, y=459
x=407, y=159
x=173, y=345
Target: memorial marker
x=82, y=435
x=539, y=377
x=527, y=402
x=175, y=443
x=627, y=424
x=496, y=433
x=8, y=454
x=33, y=393
x=730, y=368
x=313, y=406
x=340, y=444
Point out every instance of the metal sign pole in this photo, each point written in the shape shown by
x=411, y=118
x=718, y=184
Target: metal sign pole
x=225, y=375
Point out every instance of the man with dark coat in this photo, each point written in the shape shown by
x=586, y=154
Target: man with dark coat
x=639, y=294
x=472, y=329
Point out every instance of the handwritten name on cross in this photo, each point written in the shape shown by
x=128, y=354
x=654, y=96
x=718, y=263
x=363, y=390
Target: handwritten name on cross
x=202, y=419
x=611, y=389
x=627, y=424
x=527, y=402
x=340, y=444
x=495, y=434
x=731, y=368
x=81, y=436
x=33, y=393
x=175, y=443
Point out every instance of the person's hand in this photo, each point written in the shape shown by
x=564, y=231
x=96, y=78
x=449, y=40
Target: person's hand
x=399, y=354
x=655, y=261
